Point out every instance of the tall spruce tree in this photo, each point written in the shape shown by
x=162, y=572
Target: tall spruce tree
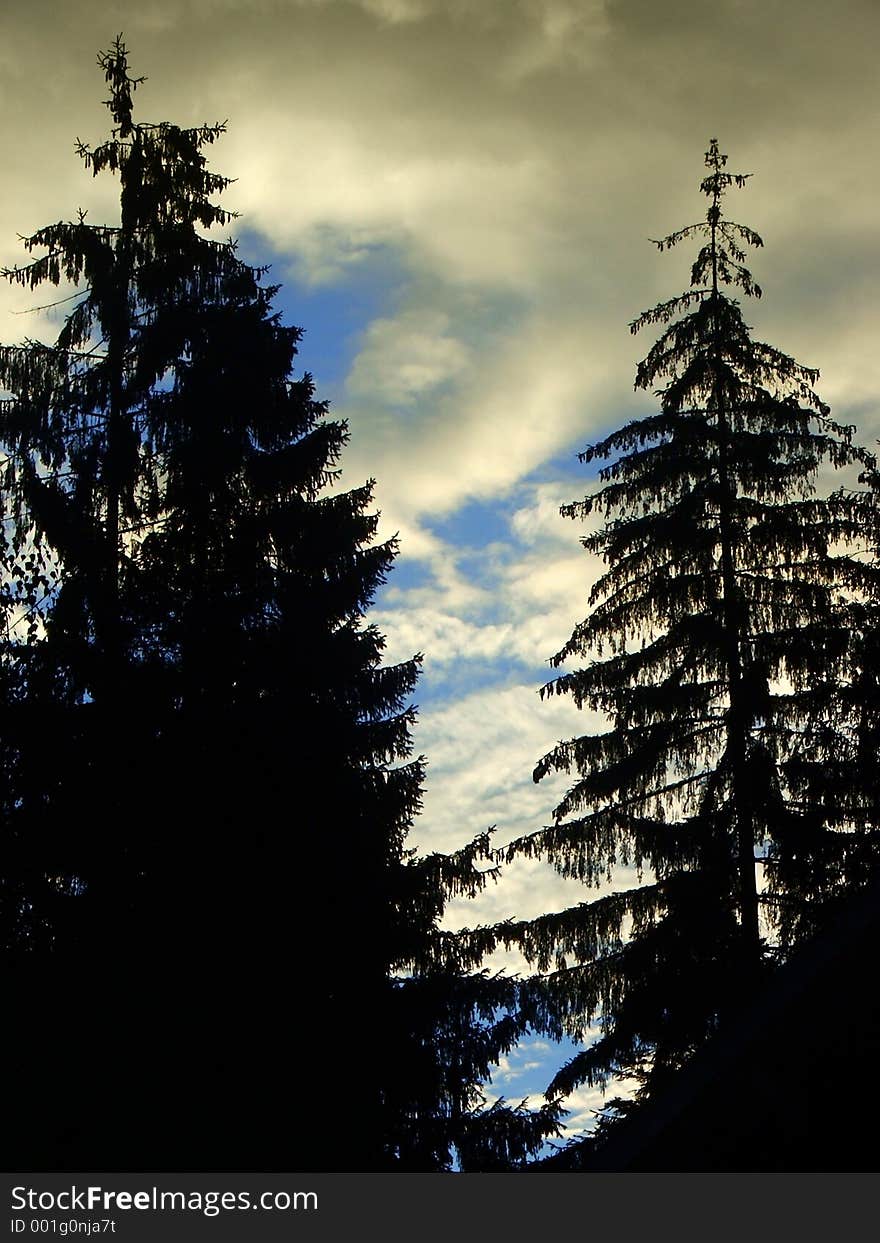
x=207, y=775
x=721, y=637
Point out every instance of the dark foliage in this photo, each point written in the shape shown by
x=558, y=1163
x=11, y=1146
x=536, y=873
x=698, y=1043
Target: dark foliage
x=222, y=954
x=724, y=638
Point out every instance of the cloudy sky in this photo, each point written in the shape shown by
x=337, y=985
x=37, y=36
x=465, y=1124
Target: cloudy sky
x=457, y=196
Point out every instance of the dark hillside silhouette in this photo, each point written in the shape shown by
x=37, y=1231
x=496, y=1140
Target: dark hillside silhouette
x=782, y=1087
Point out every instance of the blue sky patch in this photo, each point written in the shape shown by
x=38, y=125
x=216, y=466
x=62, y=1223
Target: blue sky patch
x=333, y=317
x=475, y=524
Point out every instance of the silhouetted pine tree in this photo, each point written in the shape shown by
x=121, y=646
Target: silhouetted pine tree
x=720, y=641
x=208, y=783
x=81, y=486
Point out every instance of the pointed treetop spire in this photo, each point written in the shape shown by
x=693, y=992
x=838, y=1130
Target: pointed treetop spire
x=114, y=62
x=715, y=185
x=721, y=259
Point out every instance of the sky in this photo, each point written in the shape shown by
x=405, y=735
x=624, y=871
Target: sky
x=458, y=198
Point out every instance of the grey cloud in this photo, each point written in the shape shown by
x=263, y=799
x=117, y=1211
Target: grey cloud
x=518, y=152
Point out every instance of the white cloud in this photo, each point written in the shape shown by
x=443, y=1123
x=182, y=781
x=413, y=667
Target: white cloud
x=406, y=357
x=522, y=402
x=520, y=605
x=482, y=749
x=538, y=521
x=586, y=1104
